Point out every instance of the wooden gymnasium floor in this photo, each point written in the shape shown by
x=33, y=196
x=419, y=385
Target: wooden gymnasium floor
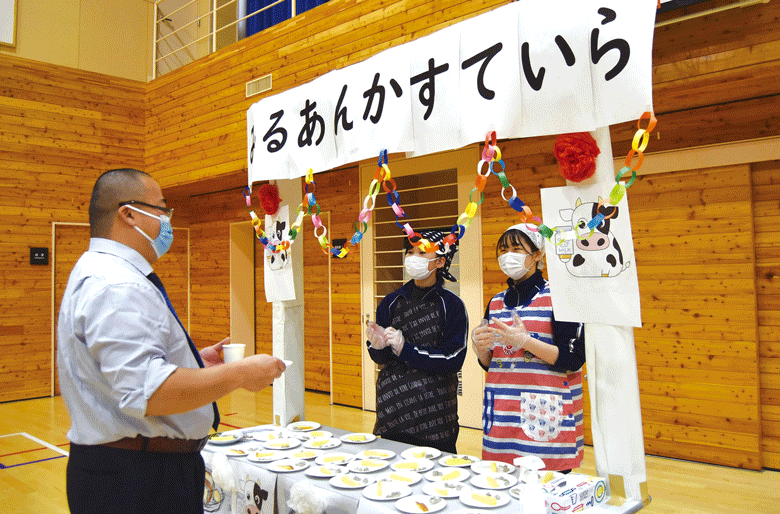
x=33, y=444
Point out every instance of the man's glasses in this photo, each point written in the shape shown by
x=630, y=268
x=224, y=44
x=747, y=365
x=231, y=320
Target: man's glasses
x=168, y=211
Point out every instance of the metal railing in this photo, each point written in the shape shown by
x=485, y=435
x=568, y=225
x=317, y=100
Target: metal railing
x=186, y=30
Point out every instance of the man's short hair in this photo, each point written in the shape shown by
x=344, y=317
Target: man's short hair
x=111, y=188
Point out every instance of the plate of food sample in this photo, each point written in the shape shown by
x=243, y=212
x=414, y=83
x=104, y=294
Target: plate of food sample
x=317, y=443
x=334, y=459
x=358, y=438
x=421, y=452
x=326, y=471
x=236, y=452
x=492, y=466
x=288, y=465
x=313, y=434
x=272, y=435
x=307, y=454
x=458, y=460
x=267, y=456
x=420, y=503
x=303, y=426
x=444, y=489
x=367, y=465
x=405, y=477
x=494, y=481
x=223, y=438
x=418, y=465
x=447, y=474
x=384, y=490
x=352, y=481
x=376, y=454
x=481, y=498
x=281, y=444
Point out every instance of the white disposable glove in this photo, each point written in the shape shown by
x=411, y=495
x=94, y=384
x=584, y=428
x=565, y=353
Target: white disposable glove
x=376, y=336
x=516, y=335
x=482, y=339
x=395, y=339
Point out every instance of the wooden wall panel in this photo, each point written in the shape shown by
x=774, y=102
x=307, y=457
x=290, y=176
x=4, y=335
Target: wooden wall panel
x=766, y=210
x=316, y=288
x=61, y=128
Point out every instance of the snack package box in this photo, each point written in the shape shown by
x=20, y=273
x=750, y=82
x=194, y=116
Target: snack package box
x=574, y=493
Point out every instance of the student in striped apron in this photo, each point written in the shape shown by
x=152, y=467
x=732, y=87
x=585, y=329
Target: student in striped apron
x=533, y=389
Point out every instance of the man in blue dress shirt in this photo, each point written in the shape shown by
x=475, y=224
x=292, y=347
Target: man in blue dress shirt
x=141, y=398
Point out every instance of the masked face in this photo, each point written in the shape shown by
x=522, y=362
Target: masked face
x=513, y=264
x=162, y=243
x=417, y=267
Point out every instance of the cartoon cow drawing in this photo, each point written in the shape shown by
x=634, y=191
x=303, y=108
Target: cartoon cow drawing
x=598, y=254
x=252, y=495
x=277, y=260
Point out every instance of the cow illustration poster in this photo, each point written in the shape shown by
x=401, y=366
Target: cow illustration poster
x=278, y=269
x=592, y=272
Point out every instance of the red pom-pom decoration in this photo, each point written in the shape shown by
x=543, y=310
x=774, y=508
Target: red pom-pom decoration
x=269, y=198
x=576, y=154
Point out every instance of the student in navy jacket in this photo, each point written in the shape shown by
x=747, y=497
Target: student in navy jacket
x=420, y=339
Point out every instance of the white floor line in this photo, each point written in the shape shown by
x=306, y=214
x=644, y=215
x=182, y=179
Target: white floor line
x=39, y=441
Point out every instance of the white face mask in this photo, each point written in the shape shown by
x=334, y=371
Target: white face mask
x=417, y=267
x=513, y=264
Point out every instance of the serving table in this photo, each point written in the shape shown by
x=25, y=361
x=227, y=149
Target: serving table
x=256, y=488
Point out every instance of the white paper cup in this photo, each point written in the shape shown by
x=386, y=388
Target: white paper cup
x=233, y=352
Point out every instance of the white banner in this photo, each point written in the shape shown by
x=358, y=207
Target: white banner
x=526, y=69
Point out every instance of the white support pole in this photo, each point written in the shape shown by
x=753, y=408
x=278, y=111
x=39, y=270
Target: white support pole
x=616, y=416
x=288, y=393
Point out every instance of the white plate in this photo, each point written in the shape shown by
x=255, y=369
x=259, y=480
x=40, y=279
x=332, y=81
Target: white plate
x=410, y=504
x=517, y=492
x=544, y=476
x=322, y=444
x=444, y=489
x=460, y=461
x=306, y=454
x=404, y=477
x=223, y=438
x=358, y=438
x=367, y=465
x=271, y=435
x=472, y=498
x=326, y=471
x=313, y=434
x=390, y=490
x=494, y=481
x=469, y=511
x=486, y=466
x=352, y=481
x=266, y=456
x=376, y=454
x=334, y=459
x=281, y=444
x=418, y=465
x=421, y=452
x=303, y=426
x=288, y=465
x=447, y=474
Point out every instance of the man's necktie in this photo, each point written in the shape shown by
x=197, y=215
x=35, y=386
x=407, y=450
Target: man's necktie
x=154, y=279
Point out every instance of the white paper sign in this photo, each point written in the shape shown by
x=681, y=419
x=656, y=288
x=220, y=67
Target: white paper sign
x=593, y=276
x=278, y=268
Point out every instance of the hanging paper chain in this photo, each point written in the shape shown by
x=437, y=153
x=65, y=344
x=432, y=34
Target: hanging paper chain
x=638, y=146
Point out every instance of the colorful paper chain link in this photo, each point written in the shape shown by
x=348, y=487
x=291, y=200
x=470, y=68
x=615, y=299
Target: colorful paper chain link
x=260, y=233
x=490, y=154
x=638, y=146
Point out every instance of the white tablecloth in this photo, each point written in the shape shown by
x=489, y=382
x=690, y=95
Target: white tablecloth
x=258, y=490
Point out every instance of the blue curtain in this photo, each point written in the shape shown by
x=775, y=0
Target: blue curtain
x=275, y=14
